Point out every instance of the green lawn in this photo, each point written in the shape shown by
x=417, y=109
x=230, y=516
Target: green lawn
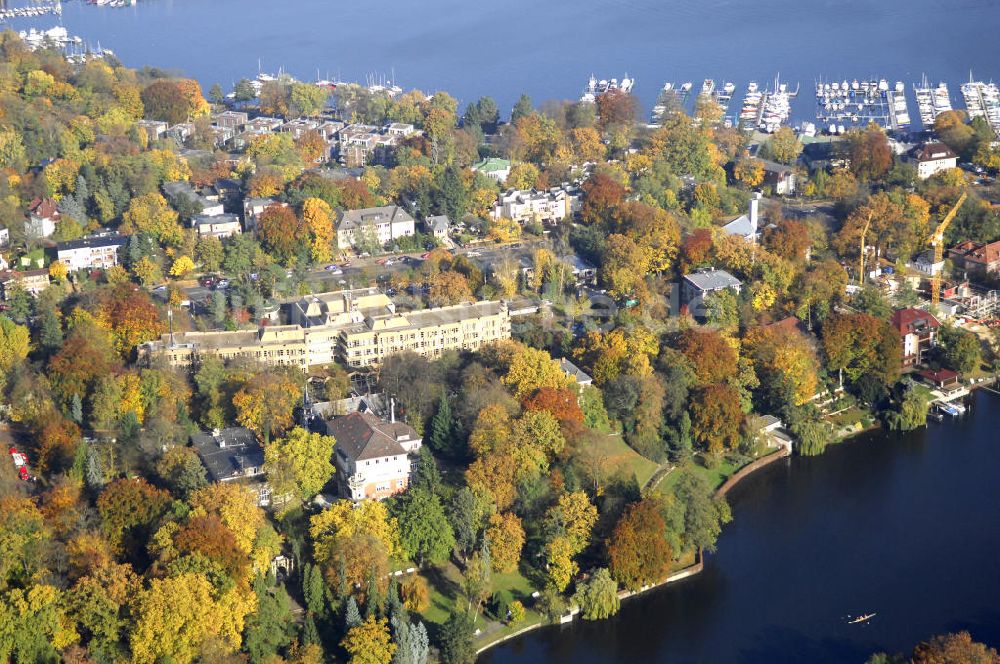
x=715, y=476
x=623, y=459
x=446, y=585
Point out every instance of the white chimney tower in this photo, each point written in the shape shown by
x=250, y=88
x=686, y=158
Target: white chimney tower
x=755, y=212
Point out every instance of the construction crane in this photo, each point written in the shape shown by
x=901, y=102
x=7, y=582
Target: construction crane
x=937, y=241
x=864, y=234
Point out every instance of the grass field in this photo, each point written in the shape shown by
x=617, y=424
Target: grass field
x=622, y=459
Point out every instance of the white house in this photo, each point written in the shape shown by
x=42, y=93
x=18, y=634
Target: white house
x=932, y=158
x=372, y=457
x=438, y=226
x=550, y=205
x=98, y=251
x=383, y=223
x=747, y=226
x=493, y=168
x=43, y=213
x=220, y=226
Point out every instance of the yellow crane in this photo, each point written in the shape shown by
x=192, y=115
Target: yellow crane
x=864, y=233
x=937, y=241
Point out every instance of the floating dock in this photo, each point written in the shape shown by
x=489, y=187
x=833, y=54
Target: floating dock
x=982, y=101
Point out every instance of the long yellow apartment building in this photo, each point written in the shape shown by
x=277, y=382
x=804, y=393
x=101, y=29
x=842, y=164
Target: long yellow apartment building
x=358, y=327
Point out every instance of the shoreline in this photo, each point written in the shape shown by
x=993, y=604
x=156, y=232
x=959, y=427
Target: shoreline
x=698, y=566
x=680, y=575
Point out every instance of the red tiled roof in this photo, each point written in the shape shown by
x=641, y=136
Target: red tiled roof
x=907, y=321
x=933, y=152
x=44, y=208
x=980, y=253
x=939, y=376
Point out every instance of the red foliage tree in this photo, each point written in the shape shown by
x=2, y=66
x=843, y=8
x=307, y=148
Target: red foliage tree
x=206, y=535
x=696, y=247
x=354, y=194
x=713, y=358
x=562, y=404
x=601, y=194
x=789, y=239
x=638, y=552
x=282, y=233
x=716, y=419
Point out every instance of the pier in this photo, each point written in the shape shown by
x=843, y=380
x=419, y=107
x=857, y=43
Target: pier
x=54, y=8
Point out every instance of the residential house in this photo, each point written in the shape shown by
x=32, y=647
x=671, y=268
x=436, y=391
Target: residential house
x=32, y=281
x=383, y=224
x=583, y=271
x=154, y=129
x=578, y=375
x=401, y=129
x=438, y=226
x=96, y=251
x=774, y=432
x=780, y=178
x=181, y=132
x=234, y=120
x=924, y=263
x=918, y=331
x=747, y=226
x=701, y=283
x=372, y=457
x=549, y=205
x=493, y=168
x=942, y=379
x=43, y=214
x=932, y=158
x=208, y=199
x=234, y=455
x=825, y=155
x=252, y=208
x=4, y=236
x=262, y=125
x=220, y=226
x=977, y=257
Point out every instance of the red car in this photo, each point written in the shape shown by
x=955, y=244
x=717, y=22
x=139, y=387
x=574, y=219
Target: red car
x=21, y=463
x=424, y=256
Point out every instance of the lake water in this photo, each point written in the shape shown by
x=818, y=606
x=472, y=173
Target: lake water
x=904, y=526
x=549, y=49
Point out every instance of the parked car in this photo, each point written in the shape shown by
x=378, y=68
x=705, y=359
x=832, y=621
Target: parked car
x=223, y=284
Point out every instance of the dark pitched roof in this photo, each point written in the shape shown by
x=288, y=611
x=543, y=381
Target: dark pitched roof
x=363, y=436
x=933, y=152
x=93, y=241
x=227, y=453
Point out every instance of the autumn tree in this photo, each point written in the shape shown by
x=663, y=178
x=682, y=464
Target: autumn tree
x=129, y=507
x=506, y=538
x=956, y=648
x=150, y=213
x=448, y=288
x=164, y=100
x=638, y=553
x=712, y=356
x=860, y=344
x=749, y=172
x=369, y=642
x=264, y=405
x=24, y=540
x=130, y=316
x=784, y=146
x=318, y=220
x=870, y=154
x=561, y=403
x=299, y=463
x=789, y=239
x=601, y=194
x=281, y=232
x=532, y=369
x=785, y=363
x=716, y=419
x=625, y=265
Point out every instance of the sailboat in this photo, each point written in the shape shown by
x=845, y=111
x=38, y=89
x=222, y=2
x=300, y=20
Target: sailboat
x=861, y=619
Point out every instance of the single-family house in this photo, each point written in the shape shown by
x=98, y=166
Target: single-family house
x=583, y=271
x=779, y=177
x=154, y=129
x=747, y=226
x=942, y=379
x=918, y=331
x=578, y=375
x=924, y=263
x=4, y=236
x=701, y=283
x=43, y=214
x=932, y=158
x=438, y=226
x=252, y=208
x=96, y=251
x=372, y=456
x=234, y=455
x=220, y=226
x=234, y=120
x=211, y=204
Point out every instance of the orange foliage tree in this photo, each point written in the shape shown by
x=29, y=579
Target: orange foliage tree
x=638, y=553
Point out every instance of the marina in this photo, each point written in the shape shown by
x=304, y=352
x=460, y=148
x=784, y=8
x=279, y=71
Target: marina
x=672, y=98
x=982, y=100
x=931, y=101
x=841, y=105
x=595, y=88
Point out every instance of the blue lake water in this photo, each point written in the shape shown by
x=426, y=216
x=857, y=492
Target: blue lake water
x=549, y=49
x=906, y=526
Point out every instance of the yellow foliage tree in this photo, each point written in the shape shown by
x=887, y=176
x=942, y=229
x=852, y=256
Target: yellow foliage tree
x=318, y=218
x=506, y=537
x=369, y=642
x=182, y=267
x=531, y=369
x=237, y=509
x=344, y=519
x=561, y=566
x=58, y=271
x=151, y=213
